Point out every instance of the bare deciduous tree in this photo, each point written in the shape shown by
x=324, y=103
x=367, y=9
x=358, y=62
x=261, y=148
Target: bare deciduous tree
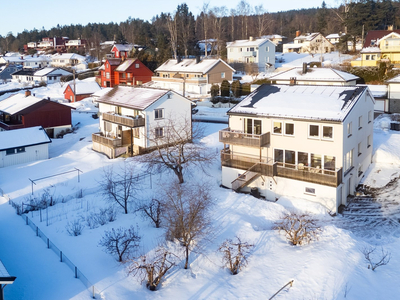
x=152, y=268
x=186, y=215
x=174, y=148
x=235, y=254
x=382, y=260
x=173, y=30
x=120, y=241
x=153, y=210
x=298, y=228
x=120, y=187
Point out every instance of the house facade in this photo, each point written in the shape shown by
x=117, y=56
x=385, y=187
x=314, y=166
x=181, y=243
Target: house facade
x=107, y=72
x=67, y=60
x=192, y=75
x=34, y=77
x=253, y=51
x=23, y=146
x=24, y=111
x=6, y=72
x=311, y=142
x=83, y=88
x=132, y=72
x=121, y=50
x=129, y=115
x=309, y=43
x=393, y=93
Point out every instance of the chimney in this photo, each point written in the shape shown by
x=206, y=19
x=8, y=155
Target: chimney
x=298, y=33
x=390, y=27
x=178, y=59
x=292, y=81
x=304, y=70
x=197, y=59
x=27, y=93
x=251, y=38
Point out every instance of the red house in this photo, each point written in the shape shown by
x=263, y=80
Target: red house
x=107, y=72
x=132, y=72
x=83, y=89
x=23, y=111
x=121, y=50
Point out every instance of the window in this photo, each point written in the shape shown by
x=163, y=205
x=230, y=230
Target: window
x=329, y=162
x=108, y=75
x=158, y=113
x=137, y=66
x=290, y=157
x=278, y=127
x=359, y=122
x=369, y=141
x=373, y=57
x=359, y=148
x=316, y=160
x=252, y=126
x=129, y=75
x=327, y=132
x=314, y=131
x=302, y=158
x=370, y=116
x=289, y=128
x=278, y=154
x=10, y=151
x=309, y=190
x=348, y=160
x=267, y=49
x=222, y=74
x=349, y=129
x=367, y=57
x=159, y=132
x=360, y=171
x=107, y=126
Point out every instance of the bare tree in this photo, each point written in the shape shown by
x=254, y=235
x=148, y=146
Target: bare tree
x=186, y=215
x=217, y=15
x=173, y=30
x=382, y=260
x=120, y=241
x=152, y=268
x=205, y=11
x=244, y=10
x=153, y=210
x=174, y=149
x=298, y=228
x=120, y=187
x=263, y=21
x=235, y=254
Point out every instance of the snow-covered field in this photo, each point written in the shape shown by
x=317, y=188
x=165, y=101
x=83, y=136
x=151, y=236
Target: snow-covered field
x=331, y=268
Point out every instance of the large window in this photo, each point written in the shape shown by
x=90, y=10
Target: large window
x=277, y=127
x=349, y=129
x=159, y=113
x=329, y=162
x=290, y=157
x=252, y=126
x=327, y=132
x=108, y=75
x=289, y=128
x=348, y=160
x=15, y=150
x=316, y=160
x=314, y=131
x=359, y=122
x=278, y=155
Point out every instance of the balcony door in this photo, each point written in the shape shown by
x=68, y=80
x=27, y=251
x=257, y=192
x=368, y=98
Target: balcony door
x=252, y=126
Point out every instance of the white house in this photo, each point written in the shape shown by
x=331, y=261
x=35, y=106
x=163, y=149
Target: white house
x=257, y=51
x=334, y=38
x=67, y=60
x=313, y=76
x=194, y=75
x=36, y=62
x=310, y=142
x=393, y=87
x=131, y=114
x=309, y=43
x=23, y=145
x=34, y=77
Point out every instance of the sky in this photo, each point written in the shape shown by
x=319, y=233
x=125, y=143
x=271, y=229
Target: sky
x=18, y=15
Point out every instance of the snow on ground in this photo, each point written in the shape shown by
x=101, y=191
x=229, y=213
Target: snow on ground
x=331, y=268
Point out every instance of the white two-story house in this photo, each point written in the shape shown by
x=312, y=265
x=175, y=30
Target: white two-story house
x=309, y=43
x=257, y=51
x=310, y=142
x=130, y=115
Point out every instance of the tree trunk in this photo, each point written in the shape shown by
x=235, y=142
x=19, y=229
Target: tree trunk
x=187, y=256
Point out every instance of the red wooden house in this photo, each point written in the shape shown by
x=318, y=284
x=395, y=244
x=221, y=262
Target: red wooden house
x=23, y=111
x=132, y=72
x=83, y=89
x=107, y=72
x=121, y=50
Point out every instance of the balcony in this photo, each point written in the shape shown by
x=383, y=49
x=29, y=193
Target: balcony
x=266, y=167
x=106, y=141
x=193, y=80
x=11, y=125
x=249, y=53
x=231, y=137
x=123, y=120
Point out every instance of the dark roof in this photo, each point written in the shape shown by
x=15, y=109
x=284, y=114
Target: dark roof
x=377, y=34
x=25, y=72
x=114, y=61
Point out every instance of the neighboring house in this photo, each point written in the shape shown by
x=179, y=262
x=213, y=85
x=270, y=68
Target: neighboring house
x=14, y=60
x=23, y=111
x=76, y=44
x=132, y=72
x=194, y=75
x=334, y=38
x=47, y=75
x=313, y=76
x=47, y=43
x=107, y=72
x=380, y=46
x=7, y=70
x=309, y=43
x=252, y=51
x=277, y=39
x=121, y=50
x=36, y=62
x=83, y=89
x=22, y=146
x=393, y=86
x=129, y=115
x=311, y=142
x=67, y=60
x=100, y=93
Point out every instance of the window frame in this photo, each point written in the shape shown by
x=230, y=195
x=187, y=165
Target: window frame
x=327, y=138
x=157, y=112
x=360, y=122
x=285, y=129
x=349, y=129
x=273, y=127
x=316, y=137
x=159, y=132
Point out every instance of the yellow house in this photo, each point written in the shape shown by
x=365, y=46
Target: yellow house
x=385, y=49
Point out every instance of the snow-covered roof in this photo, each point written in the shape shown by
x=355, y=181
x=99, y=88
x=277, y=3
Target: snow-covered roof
x=69, y=56
x=22, y=138
x=102, y=92
x=17, y=102
x=307, y=37
x=273, y=36
x=37, y=58
x=125, y=65
x=247, y=43
x=334, y=35
x=124, y=47
x=395, y=79
x=132, y=97
x=315, y=74
x=329, y=103
x=190, y=65
x=52, y=71
x=371, y=50
x=378, y=90
x=85, y=87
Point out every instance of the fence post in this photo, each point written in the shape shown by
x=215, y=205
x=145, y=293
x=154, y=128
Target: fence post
x=76, y=272
x=60, y=256
x=37, y=231
x=48, y=243
x=94, y=295
x=26, y=220
x=40, y=211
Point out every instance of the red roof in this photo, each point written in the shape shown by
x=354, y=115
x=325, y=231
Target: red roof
x=373, y=35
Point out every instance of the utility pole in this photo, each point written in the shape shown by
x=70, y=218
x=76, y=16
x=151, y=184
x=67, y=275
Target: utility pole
x=74, y=86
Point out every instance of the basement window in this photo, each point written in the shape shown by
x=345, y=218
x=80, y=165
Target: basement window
x=309, y=190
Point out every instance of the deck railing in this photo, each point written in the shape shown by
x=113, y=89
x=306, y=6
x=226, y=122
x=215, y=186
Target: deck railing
x=228, y=136
x=106, y=141
x=123, y=120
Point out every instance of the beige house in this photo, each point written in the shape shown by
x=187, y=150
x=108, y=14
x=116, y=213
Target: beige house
x=309, y=43
x=192, y=75
x=129, y=115
x=310, y=142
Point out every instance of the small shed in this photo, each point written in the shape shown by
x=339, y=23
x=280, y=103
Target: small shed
x=23, y=145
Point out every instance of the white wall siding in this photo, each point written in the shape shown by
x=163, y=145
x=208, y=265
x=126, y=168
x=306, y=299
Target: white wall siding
x=31, y=153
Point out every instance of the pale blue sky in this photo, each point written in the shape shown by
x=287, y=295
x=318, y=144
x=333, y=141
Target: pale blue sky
x=17, y=15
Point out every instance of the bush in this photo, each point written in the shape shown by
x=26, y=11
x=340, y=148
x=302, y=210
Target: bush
x=236, y=88
x=214, y=90
x=225, y=88
x=246, y=89
x=42, y=83
x=298, y=228
x=235, y=254
x=75, y=227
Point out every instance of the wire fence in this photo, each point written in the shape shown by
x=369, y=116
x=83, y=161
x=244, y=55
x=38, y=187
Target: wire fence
x=63, y=258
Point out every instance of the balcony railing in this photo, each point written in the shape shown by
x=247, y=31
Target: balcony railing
x=123, y=120
x=11, y=126
x=228, y=136
x=249, y=53
x=269, y=168
x=106, y=141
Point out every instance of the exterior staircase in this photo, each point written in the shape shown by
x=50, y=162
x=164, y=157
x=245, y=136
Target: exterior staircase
x=246, y=178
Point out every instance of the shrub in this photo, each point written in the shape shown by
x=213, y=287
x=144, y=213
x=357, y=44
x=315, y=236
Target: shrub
x=235, y=254
x=214, y=90
x=236, y=88
x=225, y=88
x=75, y=227
x=382, y=260
x=246, y=89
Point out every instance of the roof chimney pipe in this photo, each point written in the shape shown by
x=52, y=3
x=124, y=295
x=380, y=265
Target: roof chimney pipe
x=298, y=33
x=197, y=59
x=27, y=93
x=304, y=70
x=178, y=59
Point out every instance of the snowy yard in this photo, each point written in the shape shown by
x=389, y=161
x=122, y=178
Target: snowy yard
x=333, y=267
